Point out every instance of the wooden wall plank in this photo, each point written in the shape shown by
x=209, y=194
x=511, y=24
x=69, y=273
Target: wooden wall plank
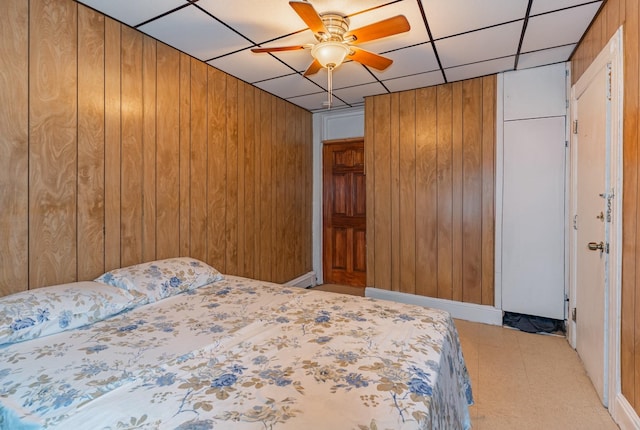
x=231, y=217
x=52, y=142
x=630, y=364
x=132, y=149
x=631, y=161
x=184, y=245
x=613, y=19
x=277, y=137
x=149, y=148
x=298, y=183
x=217, y=175
x=248, y=214
x=266, y=187
x=488, y=188
x=91, y=143
x=168, y=153
x=394, y=146
x=257, y=215
x=457, y=194
x=382, y=190
x=631, y=371
x=198, y=162
x=241, y=178
x=444, y=192
x=112, y=142
x=426, y=193
x=369, y=162
x=280, y=189
x=289, y=185
x=472, y=190
x=14, y=129
x=407, y=194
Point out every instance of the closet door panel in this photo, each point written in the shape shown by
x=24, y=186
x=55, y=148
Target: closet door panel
x=533, y=217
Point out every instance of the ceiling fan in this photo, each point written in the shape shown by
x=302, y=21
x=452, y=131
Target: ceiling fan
x=335, y=42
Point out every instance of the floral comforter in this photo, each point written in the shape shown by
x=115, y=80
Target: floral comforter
x=243, y=354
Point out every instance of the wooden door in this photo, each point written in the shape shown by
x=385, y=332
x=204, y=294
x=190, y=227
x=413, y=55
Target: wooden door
x=344, y=217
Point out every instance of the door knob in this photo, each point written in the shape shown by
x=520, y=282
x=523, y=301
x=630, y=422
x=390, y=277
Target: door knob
x=593, y=246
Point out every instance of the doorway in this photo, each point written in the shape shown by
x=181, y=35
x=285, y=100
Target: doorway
x=344, y=216
x=595, y=225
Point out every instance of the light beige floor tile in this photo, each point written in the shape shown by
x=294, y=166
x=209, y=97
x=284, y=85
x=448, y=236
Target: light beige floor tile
x=528, y=382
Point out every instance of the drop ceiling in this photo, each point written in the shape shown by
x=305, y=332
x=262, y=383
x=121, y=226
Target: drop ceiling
x=449, y=40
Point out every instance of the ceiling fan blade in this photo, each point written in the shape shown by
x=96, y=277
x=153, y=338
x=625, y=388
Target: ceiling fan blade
x=380, y=29
x=369, y=58
x=309, y=15
x=278, y=48
x=313, y=68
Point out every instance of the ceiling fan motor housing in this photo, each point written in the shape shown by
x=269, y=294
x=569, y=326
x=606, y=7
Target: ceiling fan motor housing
x=336, y=24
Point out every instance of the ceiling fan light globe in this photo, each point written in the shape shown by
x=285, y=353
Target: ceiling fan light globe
x=330, y=54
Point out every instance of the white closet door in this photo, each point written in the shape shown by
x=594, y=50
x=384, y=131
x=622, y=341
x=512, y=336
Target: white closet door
x=533, y=239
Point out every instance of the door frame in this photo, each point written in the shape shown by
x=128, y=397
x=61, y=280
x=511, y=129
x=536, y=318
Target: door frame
x=612, y=55
x=328, y=125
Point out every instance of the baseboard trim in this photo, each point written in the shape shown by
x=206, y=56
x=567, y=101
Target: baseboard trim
x=465, y=311
x=624, y=414
x=303, y=281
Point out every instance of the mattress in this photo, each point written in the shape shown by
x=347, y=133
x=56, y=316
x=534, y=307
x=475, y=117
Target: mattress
x=243, y=354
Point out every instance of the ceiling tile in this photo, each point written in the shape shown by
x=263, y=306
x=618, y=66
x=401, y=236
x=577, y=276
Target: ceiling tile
x=409, y=61
x=558, y=28
x=347, y=75
x=542, y=6
x=250, y=67
x=414, y=81
x=267, y=20
x=133, y=13
x=316, y=101
x=289, y=86
x=545, y=56
x=353, y=95
x=449, y=17
x=480, y=45
x=479, y=69
x=200, y=35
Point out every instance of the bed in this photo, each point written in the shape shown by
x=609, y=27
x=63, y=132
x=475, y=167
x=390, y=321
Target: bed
x=174, y=344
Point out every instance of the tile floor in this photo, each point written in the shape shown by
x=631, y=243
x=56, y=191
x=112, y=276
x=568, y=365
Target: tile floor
x=523, y=381
x=528, y=381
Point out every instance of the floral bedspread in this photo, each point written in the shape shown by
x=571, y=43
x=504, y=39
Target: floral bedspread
x=243, y=354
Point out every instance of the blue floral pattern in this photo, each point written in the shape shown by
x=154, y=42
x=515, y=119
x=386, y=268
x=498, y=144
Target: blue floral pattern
x=257, y=355
x=160, y=279
x=49, y=310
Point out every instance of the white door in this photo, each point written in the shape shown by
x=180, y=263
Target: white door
x=591, y=196
x=533, y=223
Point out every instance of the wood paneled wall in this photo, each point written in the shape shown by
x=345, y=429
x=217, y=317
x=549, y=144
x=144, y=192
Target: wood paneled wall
x=116, y=149
x=430, y=157
x=614, y=14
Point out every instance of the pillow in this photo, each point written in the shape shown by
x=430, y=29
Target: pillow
x=48, y=310
x=163, y=278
